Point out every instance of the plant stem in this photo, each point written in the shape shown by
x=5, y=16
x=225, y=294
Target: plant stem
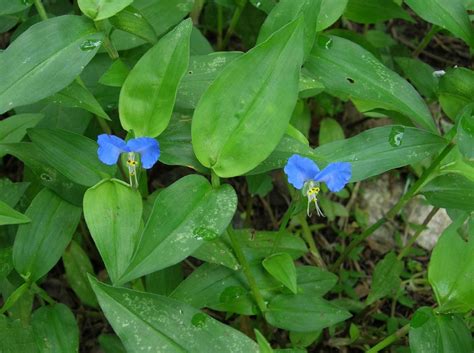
x=426, y=40
x=413, y=239
x=283, y=224
x=233, y=23
x=390, y=339
x=108, y=45
x=215, y=181
x=220, y=20
x=246, y=268
x=41, y=11
x=43, y=294
x=395, y=209
x=308, y=237
x=196, y=11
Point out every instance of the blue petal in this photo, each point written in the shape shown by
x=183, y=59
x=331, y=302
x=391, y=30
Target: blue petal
x=335, y=175
x=299, y=170
x=148, y=148
x=110, y=147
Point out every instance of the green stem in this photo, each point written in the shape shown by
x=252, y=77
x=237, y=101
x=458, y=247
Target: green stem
x=413, y=239
x=220, y=21
x=41, y=11
x=215, y=180
x=283, y=224
x=43, y=294
x=196, y=11
x=395, y=209
x=390, y=339
x=233, y=23
x=246, y=268
x=108, y=45
x=308, y=237
x=426, y=40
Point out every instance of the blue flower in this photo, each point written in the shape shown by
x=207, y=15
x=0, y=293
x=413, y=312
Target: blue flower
x=305, y=175
x=110, y=148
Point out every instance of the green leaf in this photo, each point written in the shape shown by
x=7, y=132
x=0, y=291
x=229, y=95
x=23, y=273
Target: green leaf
x=184, y=215
x=260, y=184
x=39, y=245
x=263, y=344
x=148, y=95
x=77, y=265
x=164, y=281
x=420, y=75
x=287, y=11
x=46, y=173
x=430, y=332
x=58, y=48
x=465, y=137
x=329, y=131
x=217, y=252
x=131, y=20
x=264, y=5
x=303, y=313
x=13, y=129
x=112, y=210
x=12, y=192
x=456, y=90
x=349, y=71
x=314, y=281
x=386, y=278
x=164, y=14
x=331, y=10
x=111, y=344
x=8, y=215
x=450, y=191
x=55, y=329
x=282, y=268
x=144, y=320
x=233, y=132
x=373, y=11
x=74, y=155
x=6, y=265
x=77, y=96
x=450, y=15
x=102, y=9
x=115, y=75
x=451, y=270
x=15, y=337
x=8, y=7
x=378, y=150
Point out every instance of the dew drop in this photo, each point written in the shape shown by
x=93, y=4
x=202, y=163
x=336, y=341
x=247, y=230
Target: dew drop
x=396, y=136
x=90, y=44
x=46, y=177
x=203, y=233
x=231, y=294
x=328, y=43
x=199, y=320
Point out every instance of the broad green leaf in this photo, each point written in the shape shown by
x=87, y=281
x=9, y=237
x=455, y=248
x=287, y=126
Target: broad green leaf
x=102, y=9
x=420, y=75
x=77, y=96
x=39, y=244
x=450, y=191
x=236, y=127
x=77, y=265
x=286, y=11
x=215, y=287
x=431, y=332
x=217, y=252
x=451, y=270
x=456, y=91
x=15, y=337
x=45, y=59
x=282, y=268
x=264, y=5
x=10, y=192
x=164, y=281
x=378, y=150
x=331, y=10
x=386, y=278
x=13, y=129
x=329, y=131
x=164, y=14
x=131, y=20
x=112, y=210
x=55, y=329
x=351, y=72
x=260, y=184
x=372, y=11
x=6, y=265
x=111, y=344
x=314, y=281
x=175, y=144
x=150, y=322
x=184, y=215
x=263, y=344
x=448, y=14
x=115, y=75
x=47, y=174
x=9, y=215
x=72, y=154
x=148, y=95
x=303, y=313
x=202, y=71
x=8, y=7
x=465, y=137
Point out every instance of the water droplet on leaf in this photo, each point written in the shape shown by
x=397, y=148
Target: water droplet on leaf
x=199, y=320
x=90, y=44
x=231, y=294
x=396, y=136
x=203, y=233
